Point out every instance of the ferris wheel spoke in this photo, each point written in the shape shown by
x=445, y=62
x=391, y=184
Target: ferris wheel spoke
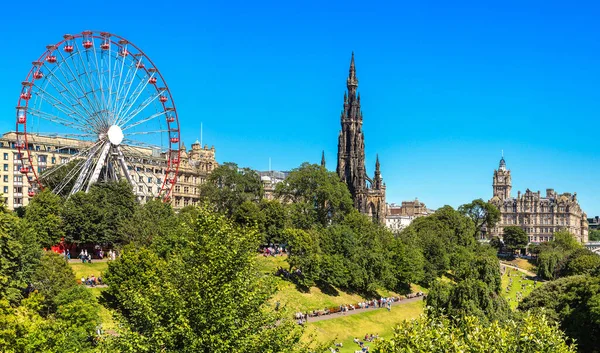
x=141, y=107
x=75, y=156
x=119, y=83
x=69, y=177
x=127, y=82
x=55, y=102
x=94, y=87
x=85, y=113
x=74, y=84
x=123, y=165
x=137, y=92
x=54, y=118
x=75, y=75
x=147, y=132
x=59, y=102
x=139, y=122
x=83, y=173
x=77, y=173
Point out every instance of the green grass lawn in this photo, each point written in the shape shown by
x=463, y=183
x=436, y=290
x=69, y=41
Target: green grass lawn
x=519, y=284
x=87, y=269
x=345, y=328
x=105, y=314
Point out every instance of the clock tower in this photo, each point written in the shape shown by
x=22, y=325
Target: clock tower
x=502, y=181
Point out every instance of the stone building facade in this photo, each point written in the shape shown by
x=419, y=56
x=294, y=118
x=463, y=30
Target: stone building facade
x=401, y=216
x=194, y=168
x=540, y=216
x=368, y=194
x=146, y=167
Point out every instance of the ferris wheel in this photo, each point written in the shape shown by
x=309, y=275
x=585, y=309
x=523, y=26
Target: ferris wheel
x=107, y=108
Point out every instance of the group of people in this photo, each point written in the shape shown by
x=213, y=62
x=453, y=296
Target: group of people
x=302, y=318
x=361, y=343
x=85, y=257
x=91, y=281
x=273, y=250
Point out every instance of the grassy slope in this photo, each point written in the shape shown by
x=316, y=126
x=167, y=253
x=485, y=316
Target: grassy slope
x=289, y=296
x=380, y=322
x=525, y=286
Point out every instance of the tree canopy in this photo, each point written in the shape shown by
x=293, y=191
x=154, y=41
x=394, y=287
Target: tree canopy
x=197, y=290
x=530, y=334
x=229, y=186
x=483, y=214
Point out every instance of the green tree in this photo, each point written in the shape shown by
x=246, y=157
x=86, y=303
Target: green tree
x=483, y=214
x=318, y=196
x=98, y=216
x=469, y=297
x=565, y=240
x=304, y=253
x=197, y=290
x=250, y=215
x=43, y=216
x=52, y=277
x=594, y=235
x=530, y=334
x=515, y=238
x=574, y=302
x=496, y=243
x=275, y=220
x=149, y=221
x=60, y=178
x=228, y=186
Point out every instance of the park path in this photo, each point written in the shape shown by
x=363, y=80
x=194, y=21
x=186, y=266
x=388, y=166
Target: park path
x=358, y=311
x=528, y=273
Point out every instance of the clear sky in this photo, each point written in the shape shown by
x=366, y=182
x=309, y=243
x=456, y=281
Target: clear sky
x=445, y=85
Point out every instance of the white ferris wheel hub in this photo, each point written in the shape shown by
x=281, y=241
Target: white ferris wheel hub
x=115, y=135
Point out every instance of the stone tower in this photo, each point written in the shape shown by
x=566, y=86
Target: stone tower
x=502, y=181
x=369, y=200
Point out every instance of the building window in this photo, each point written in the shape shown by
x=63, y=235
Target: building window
x=149, y=179
x=6, y=167
x=53, y=160
x=6, y=156
x=141, y=179
x=150, y=189
x=6, y=189
x=186, y=189
x=5, y=179
x=42, y=158
x=140, y=188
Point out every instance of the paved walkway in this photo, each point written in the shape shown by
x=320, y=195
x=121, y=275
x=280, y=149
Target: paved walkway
x=359, y=311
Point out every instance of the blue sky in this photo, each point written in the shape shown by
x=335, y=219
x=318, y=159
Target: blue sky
x=445, y=86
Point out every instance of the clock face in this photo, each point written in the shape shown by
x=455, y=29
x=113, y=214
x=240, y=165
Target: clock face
x=501, y=179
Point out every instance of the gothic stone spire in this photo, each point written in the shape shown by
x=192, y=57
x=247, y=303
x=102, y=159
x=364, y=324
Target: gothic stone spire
x=323, y=159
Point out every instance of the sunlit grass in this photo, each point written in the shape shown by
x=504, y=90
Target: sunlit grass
x=345, y=328
x=520, y=283
x=87, y=269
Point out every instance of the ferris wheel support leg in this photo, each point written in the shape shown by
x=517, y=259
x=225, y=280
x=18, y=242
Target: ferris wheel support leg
x=84, y=172
x=99, y=165
x=123, y=165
